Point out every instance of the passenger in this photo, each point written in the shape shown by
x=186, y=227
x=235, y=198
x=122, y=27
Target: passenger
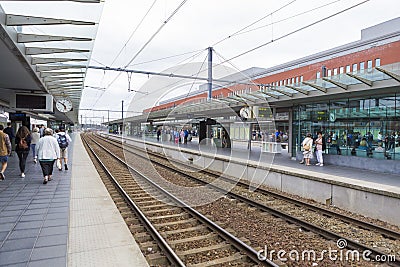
x=307, y=146
x=47, y=151
x=22, y=146
x=5, y=150
x=10, y=132
x=63, y=140
x=158, y=134
x=35, y=139
x=41, y=130
x=319, y=148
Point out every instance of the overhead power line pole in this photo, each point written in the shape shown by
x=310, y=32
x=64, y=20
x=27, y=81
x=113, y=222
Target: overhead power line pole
x=209, y=79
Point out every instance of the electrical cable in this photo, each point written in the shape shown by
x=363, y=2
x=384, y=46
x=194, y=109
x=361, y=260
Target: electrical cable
x=295, y=31
x=133, y=33
x=251, y=24
x=149, y=41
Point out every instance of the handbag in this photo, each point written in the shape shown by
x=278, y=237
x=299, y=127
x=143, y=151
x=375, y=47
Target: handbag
x=306, y=147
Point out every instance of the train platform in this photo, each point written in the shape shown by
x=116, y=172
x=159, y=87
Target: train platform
x=370, y=180
x=70, y=221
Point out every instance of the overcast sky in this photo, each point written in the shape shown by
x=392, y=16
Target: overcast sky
x=200, y=24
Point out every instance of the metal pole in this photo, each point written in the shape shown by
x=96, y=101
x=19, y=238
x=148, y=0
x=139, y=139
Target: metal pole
x=108, y=115
x=122, y=109
x=209, y=80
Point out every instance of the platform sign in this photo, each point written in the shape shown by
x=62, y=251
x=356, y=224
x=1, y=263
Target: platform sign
x=265, y=113
x=240, y=131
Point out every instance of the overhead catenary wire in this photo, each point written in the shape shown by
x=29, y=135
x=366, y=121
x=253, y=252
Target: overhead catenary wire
x=149, y=41
x=295, y=31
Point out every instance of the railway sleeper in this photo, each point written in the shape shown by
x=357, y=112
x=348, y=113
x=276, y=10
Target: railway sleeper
x=189, y=229
x=155, y=207
x=142, y=237
x=209, y=236
x=187, y=221
x=147, y=203
x=178, y=216
x=226, y=261
x=137, y=228
x=214, y=248
x=157, y=259
x=163, y=211
x=149, y=247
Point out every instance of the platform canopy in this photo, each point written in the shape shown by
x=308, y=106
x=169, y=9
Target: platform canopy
x=45, y=47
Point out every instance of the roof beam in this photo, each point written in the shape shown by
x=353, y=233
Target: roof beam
x=44, y=60
x=81, y=1
x=53, y=79
x=54, y=73
x=237, y=99
x=29, y=38
x=320, y=88
x=389, y=73
x=46, y=50
x=58, y=67
x=247, y=98
x=268, y=94
x=257, y=95
x=304, y=92
x=20, y=20
x=363, y=80
x=339, y=84
x=282, y=92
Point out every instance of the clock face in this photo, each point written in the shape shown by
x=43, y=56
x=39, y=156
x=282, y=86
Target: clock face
x=245, y=112
x=64, y=105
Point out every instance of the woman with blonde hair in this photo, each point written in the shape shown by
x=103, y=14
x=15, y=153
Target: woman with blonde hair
x=47, y=152
x=35, y=139
x=22, y=146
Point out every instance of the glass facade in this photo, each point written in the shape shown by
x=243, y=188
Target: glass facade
x=361, y=127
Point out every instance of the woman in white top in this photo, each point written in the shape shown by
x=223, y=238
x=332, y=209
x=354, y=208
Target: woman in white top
x=47, y=151
x=307, y=147
x=35, y=139
x=318, y=152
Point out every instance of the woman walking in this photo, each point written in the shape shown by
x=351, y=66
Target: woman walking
x=307, y=147
x=47, y=151
x=35, y=139
x=22, y=147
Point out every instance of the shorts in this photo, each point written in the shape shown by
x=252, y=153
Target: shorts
x=3, y=159
x=64, y=152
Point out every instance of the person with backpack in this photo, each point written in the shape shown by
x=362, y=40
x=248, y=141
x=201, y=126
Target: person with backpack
x=63, y=140
x=22, y=147
x=47, y=151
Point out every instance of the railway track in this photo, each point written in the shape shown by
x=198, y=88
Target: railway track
x=293, y=210
x=179, y=235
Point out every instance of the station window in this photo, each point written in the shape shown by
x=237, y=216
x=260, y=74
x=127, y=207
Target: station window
x=280, y=83
x=297, y=79
x=369, y=64
x=318, y=74
x=292, y=80
x=362, y=66
x=355, y=67
x=329, y=73
x=335, y=71
x=348, y=68
x=301, y=78
x=284, y=82
x=377, y=62
x=288, y=81
x=341, y=70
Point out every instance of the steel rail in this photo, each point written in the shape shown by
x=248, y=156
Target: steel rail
x=236, y=242
x=306, y=225
x=388, y=233
x=169, y=252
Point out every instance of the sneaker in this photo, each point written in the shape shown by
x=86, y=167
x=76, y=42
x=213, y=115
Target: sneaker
x=301, y=162
x=34, y=161
x=317, y=164
x=66, y=167
x=23, y=175
x=321, y=165
x=2, y=177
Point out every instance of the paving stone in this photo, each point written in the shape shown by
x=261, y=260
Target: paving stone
x=61, y=261
x=48, y=252
x=52, y=240
x=14, y=257
x=18, y=244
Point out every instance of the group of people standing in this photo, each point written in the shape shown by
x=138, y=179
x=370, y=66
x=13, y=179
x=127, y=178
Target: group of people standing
x=46, y=148
x=307, y=145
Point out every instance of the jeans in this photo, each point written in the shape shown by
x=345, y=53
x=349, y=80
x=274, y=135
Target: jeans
x=33, y=147
x=22, y=155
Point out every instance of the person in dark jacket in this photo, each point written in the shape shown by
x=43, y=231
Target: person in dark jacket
x=22, y=147
x=10, y=131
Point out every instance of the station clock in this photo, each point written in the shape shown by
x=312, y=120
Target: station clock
x=64, y=104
